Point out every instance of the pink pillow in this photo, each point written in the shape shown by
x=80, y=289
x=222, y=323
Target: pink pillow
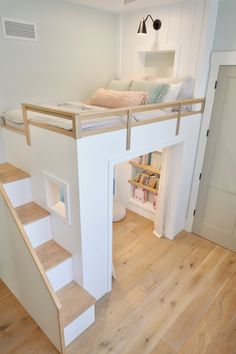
x=118, y=99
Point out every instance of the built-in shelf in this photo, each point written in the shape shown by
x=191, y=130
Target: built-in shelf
x=164, y=51
x=143, y=186
x=146, y=206
x=148, y=168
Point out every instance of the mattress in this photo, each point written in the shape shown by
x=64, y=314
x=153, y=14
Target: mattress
x=13, y=118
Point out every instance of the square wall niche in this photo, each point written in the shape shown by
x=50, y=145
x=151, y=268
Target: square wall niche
x=57, y=197
x=158, y=63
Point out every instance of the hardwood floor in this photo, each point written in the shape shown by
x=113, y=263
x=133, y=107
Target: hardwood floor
x=19, y=334
x=169, y=297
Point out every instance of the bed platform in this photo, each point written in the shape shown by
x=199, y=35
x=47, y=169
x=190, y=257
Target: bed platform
x=82, y=123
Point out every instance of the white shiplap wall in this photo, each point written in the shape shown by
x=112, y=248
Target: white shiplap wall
x=181, y=30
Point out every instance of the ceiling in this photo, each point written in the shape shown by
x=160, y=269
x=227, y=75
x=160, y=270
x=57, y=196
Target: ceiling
x=118, y=5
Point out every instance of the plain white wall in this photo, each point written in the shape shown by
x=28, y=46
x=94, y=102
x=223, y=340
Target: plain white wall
x=75, y=53
x=225, y=34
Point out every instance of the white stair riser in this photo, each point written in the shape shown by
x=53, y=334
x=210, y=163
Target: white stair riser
x=19, y=192
x=79, y=325
x=61, y=275
x=39, y=231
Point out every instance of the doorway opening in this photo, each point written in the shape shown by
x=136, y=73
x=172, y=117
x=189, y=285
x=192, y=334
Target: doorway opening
x=137, y=191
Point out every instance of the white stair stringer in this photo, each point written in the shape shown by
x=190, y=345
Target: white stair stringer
x=19, y=192
x=61, y=274
x=39, y=231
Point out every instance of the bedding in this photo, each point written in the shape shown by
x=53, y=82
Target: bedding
x=156, y=91
x=119, y=85
x=172, y=93
x=186, y=90
x=118, y=99
x=14, y=118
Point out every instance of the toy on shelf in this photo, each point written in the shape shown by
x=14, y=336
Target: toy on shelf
x=140, y=195
x=154, y=201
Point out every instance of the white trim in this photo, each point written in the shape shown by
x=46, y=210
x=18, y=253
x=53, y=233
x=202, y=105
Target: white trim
x=202, y=79
x=60, y=210
x=217, y=59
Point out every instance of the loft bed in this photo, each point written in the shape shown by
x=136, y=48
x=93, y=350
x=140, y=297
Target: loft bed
x=82, y=155
x=86, y=120
x=78, y=152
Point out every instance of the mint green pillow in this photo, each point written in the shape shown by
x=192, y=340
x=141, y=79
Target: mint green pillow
x=156, y=91
x=119, y=85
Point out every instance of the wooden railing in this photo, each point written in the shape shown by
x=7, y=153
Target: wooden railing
x=175, y=111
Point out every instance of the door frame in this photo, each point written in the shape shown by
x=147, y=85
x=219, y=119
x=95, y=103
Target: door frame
x=217, y=59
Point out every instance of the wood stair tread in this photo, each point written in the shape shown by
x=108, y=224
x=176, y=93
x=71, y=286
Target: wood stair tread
x=10, y=173
x=51, y=254
x=74, y=301
x=31, y=212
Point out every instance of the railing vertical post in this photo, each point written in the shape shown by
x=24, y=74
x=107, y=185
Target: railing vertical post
x=128, y=131
x=178, y=119
x=26, y=123
x=76, y=126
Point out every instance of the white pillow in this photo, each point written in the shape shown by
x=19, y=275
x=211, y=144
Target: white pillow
x=14, y=115
x=172, y=93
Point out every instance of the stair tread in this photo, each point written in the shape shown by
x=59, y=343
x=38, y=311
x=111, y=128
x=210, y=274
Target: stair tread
x=31, y=212
x=10, y=173
x=51, y=254
x=74, y=300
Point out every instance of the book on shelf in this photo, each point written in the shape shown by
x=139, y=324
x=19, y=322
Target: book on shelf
x=143, y=159
x=147, y=179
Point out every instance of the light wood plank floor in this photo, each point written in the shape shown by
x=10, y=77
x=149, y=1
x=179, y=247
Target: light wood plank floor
x=169, y=297
x=19, y=334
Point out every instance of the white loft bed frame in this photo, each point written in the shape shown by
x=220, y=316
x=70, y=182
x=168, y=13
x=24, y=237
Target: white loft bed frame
x=65, y=157
x=78, y=119
x=68, y=155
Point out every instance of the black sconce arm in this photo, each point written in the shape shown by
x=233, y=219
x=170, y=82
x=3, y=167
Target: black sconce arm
x=142, y=26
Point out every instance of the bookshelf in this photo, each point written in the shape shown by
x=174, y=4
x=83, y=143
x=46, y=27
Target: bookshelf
x=143, y=186
x=148, y=168
x=145, y=172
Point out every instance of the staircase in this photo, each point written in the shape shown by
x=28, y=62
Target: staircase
x=78, y=309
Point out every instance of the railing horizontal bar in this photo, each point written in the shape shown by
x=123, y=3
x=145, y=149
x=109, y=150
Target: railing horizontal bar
x=49, y=111
x=53, y=129
x=119, y=126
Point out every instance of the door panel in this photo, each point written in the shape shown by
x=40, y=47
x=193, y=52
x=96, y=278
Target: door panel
x=215, y=217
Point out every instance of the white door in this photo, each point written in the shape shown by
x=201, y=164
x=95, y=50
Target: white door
x=215, y=217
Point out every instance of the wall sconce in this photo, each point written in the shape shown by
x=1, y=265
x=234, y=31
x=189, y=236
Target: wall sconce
x=142, y=26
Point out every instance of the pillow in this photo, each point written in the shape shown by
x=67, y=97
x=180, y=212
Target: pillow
x=172, y=93
x=156, y=91
x=118, y=99
x=14, y=115
x=186, y=90
x=119, y=85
